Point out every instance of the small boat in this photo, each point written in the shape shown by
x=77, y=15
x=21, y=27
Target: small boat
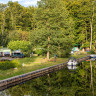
x=93, y=55
x=93, y=59
x=72, y=62
x=72, y=67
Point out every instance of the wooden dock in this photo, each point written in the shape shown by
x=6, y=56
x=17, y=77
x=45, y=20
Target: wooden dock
x=83, y=59
x=4, y=84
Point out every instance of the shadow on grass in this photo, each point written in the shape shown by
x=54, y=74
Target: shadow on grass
x=27, y=60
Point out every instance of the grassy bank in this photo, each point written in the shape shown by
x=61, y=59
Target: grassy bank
x=31, y=64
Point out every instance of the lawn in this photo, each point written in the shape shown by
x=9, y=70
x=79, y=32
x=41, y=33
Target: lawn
x=31, y=64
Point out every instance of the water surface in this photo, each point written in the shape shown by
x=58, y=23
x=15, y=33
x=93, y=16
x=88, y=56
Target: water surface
x=79, y=82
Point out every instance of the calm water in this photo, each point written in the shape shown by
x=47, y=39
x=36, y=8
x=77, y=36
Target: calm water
x=80, y=82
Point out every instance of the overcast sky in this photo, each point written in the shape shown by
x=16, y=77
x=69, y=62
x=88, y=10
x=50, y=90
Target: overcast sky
x=22, y=2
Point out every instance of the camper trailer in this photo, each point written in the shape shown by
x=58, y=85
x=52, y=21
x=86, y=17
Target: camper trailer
x=5, y=52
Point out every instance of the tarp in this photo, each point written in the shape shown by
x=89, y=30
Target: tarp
x=75, y=49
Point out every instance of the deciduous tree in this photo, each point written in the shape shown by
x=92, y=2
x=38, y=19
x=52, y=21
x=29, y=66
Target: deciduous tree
x=54, y=27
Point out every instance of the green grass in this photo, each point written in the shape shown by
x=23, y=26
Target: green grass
x=32, y=64
x=80, y=56
x=27, y=60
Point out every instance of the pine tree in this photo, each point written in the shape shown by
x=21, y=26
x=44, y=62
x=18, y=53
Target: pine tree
x=54, y=27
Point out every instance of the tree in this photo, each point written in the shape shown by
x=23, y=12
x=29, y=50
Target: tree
x=3, y=31
x=24, y=46
x=83, y=13
x=54, y=27
x=2, y=15
x=19, y=17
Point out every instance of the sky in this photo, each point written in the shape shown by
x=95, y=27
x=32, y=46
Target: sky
x=25, y=3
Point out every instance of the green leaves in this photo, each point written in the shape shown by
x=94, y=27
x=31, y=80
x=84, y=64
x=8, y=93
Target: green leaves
x=24, y=46
x=53, y=22
x=65, y=22
x=5, y=65
x=82, y=12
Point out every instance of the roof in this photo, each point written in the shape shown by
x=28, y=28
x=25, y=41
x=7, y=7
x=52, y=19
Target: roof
x=5, y=50
x=17, y=51
x=75, y=49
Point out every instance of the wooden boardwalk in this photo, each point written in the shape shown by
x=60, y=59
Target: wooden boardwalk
x=4, y=84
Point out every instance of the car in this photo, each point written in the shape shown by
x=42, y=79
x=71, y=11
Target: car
x=17, y=55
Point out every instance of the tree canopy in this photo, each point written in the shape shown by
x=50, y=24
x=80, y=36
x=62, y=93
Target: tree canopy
x=53, y=25
x=24, y=46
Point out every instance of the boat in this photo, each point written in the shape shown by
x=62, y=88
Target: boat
x=72, y=62
x=93, y=55
x=72, y=67
x=93, y=59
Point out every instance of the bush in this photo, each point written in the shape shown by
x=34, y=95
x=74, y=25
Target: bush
x=91, y=52
x=24, y=46
x=63, y=53
x=85, y=45
x=4, y=65
x=39, y=51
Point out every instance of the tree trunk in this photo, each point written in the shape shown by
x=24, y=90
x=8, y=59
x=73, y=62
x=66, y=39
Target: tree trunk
x=48, y=48
x=91, y=83
x=91, y=36
x=91, y=25
x=3, y=23
x=86, y=35
x=12, y=20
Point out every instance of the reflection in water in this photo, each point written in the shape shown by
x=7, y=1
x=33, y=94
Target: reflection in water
x=72, y=67
x=60, y=83
x=91, y=83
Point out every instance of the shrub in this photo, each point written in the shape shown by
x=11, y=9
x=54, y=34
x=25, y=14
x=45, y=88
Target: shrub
x=91, y=52
x=39, y=51
x=4, y=65
x=85, y=45
x=63, y=53
x=24, y=46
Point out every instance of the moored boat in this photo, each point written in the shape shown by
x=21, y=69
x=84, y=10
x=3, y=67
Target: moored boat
x=72, y=62
x=93, y=55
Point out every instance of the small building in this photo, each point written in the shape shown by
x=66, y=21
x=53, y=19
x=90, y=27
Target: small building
x=5, y=52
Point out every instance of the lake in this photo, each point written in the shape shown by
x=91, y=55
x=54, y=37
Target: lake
x=79, y=82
